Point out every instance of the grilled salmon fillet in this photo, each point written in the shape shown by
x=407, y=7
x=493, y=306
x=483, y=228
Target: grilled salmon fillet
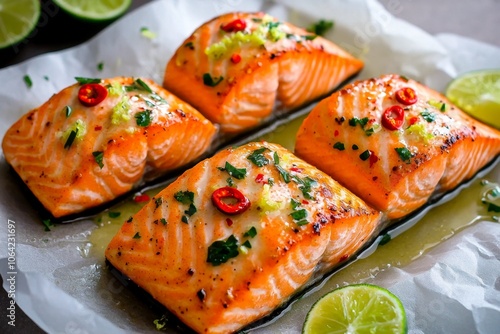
x=394, y=142
x=236, y=68
x=74, y=155
x=220, y=263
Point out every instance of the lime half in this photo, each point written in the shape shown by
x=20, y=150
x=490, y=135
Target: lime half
x=94, y=10
x=17, y=20
x=356, y=309
x=478, y=94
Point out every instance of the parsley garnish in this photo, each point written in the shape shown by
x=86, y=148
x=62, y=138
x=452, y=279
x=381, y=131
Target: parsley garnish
x=428, y=116
x=365, y=155
x=27, y=81
x=258, y=158
x=136, y=236
x=143, y=118
x=309, y=37
x=320, y=27
x=185, y=197
x=143, y=85
x=48, y=224
x=189, y=45
x=184, y=219
x=237, y=173
x=247, y=244
x=299, y=217
x=284, y=174
x=404, y=154
x=114, y=214
x=252, y=232
x=221, y=251
x=71, y=139
x=158, y=202
x=493, y=207
x=98, y=156
x=305, y=185
x=294, y=204
x=339, y=146
x=163, y=221
x=100, y=66
x=355, y=147
x=362, y=122
x=276, y=158
x=208, y=80
x=191, y=210
x=67, y=111
x=83, y=81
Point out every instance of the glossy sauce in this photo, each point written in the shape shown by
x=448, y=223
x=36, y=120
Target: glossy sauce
x=435, y=227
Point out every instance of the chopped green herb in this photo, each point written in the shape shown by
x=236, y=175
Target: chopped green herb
x=143, y=118
x=143, y=85
x=46, y=78
x=247, y=244
x=83, y=81
x=443, y=107
x=189, y=45
x=184, y=219
x=258, y=158
x=256, y=19
x=385, y=239
x=27, y=81
x=365, y=155
x=284, y=174
x=98, y=157
x=230, y=182
x=276, y=158
x=355, y=147
x=212, y=82
x=191, y=210
x=48, y=224
x=404, y=78
x=270, y=181
x=305, y=185
x=237, y=173
x=67, y=111
x=136, y=236
x=309, y=37
x=221, y=251
x=114, y=214
x=320, y=27
x=121, y=111
x=294, y=204
x=185, y=197
x=158, y=98
x=362, y=122
x=147, y=33
x=252, y=232
x=339, y=146
x=404, y=154
x=299, y=214
x=158, y=202
x=493, y=207
x=100, y=66
x=160, y=323
x=163, y=221
x=438, y=105
x=428, y=116
x=71, y=139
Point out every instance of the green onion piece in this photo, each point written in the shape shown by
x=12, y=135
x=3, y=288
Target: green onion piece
x=252, y=232
x=247, y=244
x=212, y=82
x=27, y=81
x=67, y=111
x=83, y=81
x=98, y=157
x=284, y=174
x=71, y=139
x=404, y=154
x=143, y=118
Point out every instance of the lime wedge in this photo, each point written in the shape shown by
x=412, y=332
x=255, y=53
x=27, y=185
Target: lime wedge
x=94, y=10
x=356, y=309
x=17, y=20
x=478, y=94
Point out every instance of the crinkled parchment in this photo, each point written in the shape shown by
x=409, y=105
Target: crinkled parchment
x=455, y=288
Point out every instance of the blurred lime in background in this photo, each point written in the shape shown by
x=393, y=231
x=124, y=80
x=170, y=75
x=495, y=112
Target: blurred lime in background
x=94, y=10
x=17, y=19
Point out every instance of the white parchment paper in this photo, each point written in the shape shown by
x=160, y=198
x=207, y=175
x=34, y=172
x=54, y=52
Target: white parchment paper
x=454, y=288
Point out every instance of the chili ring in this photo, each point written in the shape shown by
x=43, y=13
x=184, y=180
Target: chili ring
x=241, y=205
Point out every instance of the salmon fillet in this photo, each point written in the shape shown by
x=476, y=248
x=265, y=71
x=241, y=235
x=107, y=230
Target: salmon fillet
x=74, y=157
x=218, y=272
x=237, y=68
x=435, y=148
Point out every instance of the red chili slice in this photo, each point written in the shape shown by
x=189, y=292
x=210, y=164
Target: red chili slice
x=233, y=26
x=413, y=120
x=393, y=118
x=92, y=94
x=406, y=96
x=259, y=178
x=241, y=203
x=373, y=158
